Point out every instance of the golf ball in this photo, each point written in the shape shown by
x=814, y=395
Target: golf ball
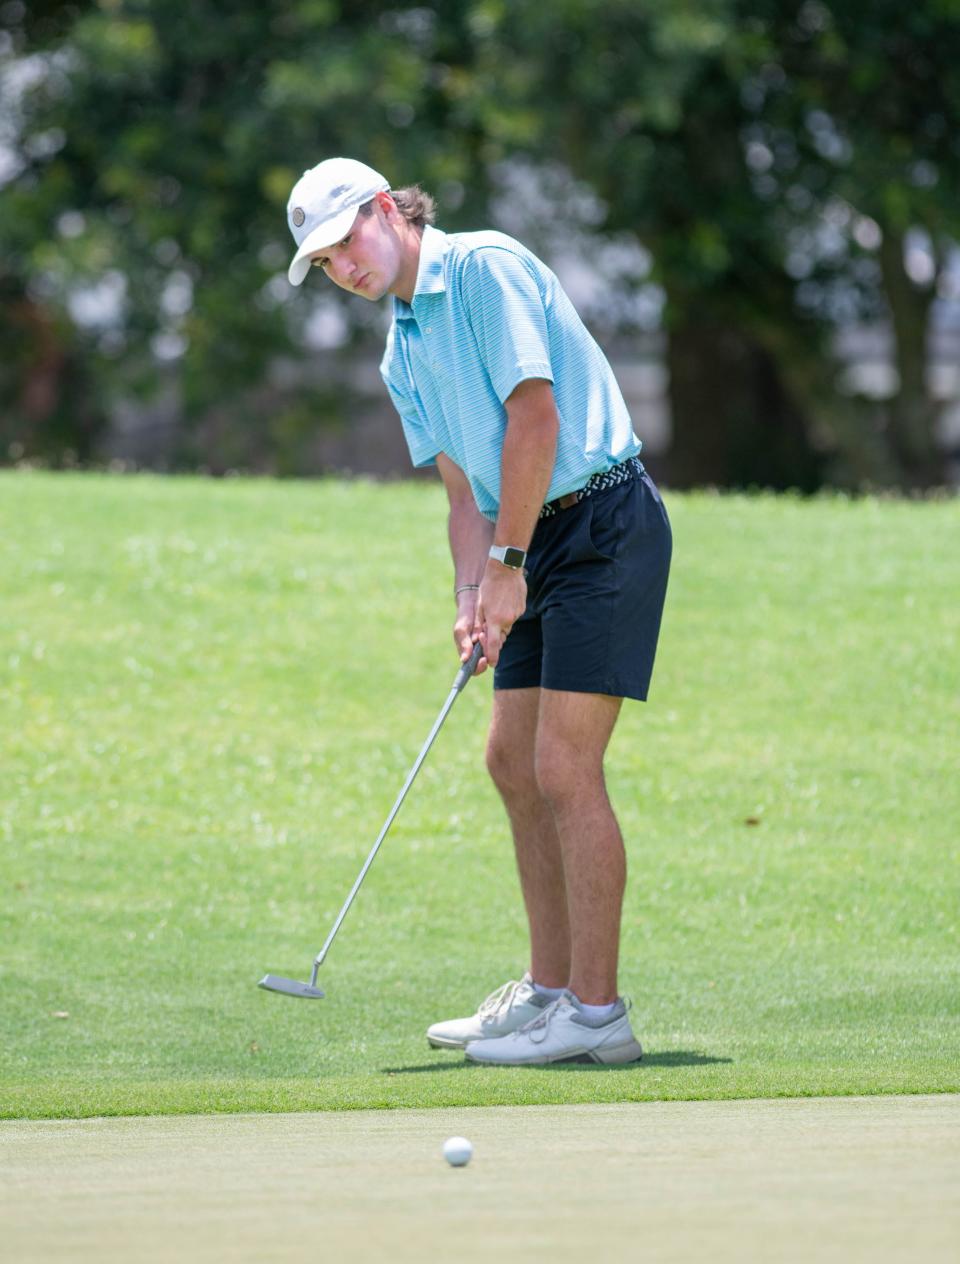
x=457, y=1151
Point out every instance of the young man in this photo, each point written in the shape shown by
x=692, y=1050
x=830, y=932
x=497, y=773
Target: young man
x=561, y=549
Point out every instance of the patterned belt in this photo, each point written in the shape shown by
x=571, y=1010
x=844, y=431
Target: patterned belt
x=629, y=469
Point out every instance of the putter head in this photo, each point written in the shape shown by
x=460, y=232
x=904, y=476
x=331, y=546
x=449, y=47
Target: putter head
x=290, y=987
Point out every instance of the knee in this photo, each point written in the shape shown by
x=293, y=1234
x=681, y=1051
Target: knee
x=560, y=769
x=511, y=768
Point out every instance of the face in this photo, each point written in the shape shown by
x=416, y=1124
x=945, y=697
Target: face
x=369, y=260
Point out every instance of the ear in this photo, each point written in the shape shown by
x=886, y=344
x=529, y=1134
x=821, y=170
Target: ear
x=386, y=204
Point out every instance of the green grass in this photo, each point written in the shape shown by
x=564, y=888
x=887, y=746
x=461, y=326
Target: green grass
x=211, y=693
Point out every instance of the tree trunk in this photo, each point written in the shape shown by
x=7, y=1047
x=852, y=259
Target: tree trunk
x=734, y=422
x=912, y=413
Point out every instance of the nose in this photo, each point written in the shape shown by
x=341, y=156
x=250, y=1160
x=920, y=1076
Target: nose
x=344, y=268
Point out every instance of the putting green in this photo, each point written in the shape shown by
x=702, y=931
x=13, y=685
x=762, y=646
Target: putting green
x=844, y=1179
x=207, y=718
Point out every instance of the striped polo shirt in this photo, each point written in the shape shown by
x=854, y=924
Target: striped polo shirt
x=486, y=315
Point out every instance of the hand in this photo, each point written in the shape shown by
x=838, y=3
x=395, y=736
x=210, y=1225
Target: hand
x=463, y=634
x=503, y=599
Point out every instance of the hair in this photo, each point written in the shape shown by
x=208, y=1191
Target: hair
x=417, y=207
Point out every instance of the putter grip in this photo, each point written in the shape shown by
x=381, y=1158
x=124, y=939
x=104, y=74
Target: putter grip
x=468, y=668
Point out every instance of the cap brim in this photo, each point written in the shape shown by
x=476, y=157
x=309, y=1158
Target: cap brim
x=324, y=235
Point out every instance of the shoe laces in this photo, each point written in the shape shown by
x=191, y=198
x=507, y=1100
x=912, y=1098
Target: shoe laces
x=536, y=1029
x=499, y=1000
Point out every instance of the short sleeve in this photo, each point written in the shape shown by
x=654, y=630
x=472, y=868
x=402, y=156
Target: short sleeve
x=505, y=308
x=393, y=369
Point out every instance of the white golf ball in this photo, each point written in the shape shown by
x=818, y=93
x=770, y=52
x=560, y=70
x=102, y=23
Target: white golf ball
x=457, y=1151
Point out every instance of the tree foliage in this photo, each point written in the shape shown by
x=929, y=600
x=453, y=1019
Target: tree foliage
x=772, y=157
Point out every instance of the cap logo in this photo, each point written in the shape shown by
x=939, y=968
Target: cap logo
x=298, y=216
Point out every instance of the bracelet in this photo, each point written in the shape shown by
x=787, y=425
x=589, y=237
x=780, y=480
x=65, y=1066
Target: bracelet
x=465, y=588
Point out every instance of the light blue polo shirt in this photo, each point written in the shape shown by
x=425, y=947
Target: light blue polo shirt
x=486, y=315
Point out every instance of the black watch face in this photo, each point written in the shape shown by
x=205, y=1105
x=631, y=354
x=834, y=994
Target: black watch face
x=514, y=558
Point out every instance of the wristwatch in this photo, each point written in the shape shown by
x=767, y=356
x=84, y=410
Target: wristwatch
x=508, y=555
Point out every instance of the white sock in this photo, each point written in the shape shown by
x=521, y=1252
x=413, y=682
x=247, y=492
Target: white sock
x=596, y=1012
x=550, y=993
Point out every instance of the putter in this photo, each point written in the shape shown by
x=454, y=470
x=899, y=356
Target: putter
x=310, y=991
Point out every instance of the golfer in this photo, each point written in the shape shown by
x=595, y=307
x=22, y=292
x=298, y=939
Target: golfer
x=561, y=550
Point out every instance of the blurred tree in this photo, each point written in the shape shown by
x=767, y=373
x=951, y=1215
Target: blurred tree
x=39, y=357
x=731, y=137
x=793, y=151
x=148, y=149
x=870, y=93
x=154, y=149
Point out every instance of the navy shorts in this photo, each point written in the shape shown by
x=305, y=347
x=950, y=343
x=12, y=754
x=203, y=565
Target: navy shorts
x=596, y=583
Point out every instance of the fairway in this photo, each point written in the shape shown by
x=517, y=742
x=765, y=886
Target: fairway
x=851, y=1180
x=212, y=692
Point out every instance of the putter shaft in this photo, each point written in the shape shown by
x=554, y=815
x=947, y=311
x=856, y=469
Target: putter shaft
x=466, y=671
x=290, y=987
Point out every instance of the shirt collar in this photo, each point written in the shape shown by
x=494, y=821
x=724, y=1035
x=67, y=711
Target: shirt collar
x=434, y=245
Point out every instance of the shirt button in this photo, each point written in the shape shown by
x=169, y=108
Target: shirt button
x=429, y=329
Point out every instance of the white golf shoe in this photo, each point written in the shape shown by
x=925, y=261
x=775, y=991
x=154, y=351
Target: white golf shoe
x=510, y=1007
x=562, y=1033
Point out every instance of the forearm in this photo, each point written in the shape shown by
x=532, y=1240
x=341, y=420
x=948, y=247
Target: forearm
x=470, y=535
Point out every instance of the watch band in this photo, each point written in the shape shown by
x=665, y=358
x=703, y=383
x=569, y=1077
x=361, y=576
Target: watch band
x=508, y=555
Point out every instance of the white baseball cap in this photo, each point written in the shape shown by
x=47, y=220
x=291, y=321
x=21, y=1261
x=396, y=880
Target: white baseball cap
x=323, y=206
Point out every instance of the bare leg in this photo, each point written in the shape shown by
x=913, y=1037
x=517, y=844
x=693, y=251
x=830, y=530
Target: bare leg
x=573, y=730
x=510, y=759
